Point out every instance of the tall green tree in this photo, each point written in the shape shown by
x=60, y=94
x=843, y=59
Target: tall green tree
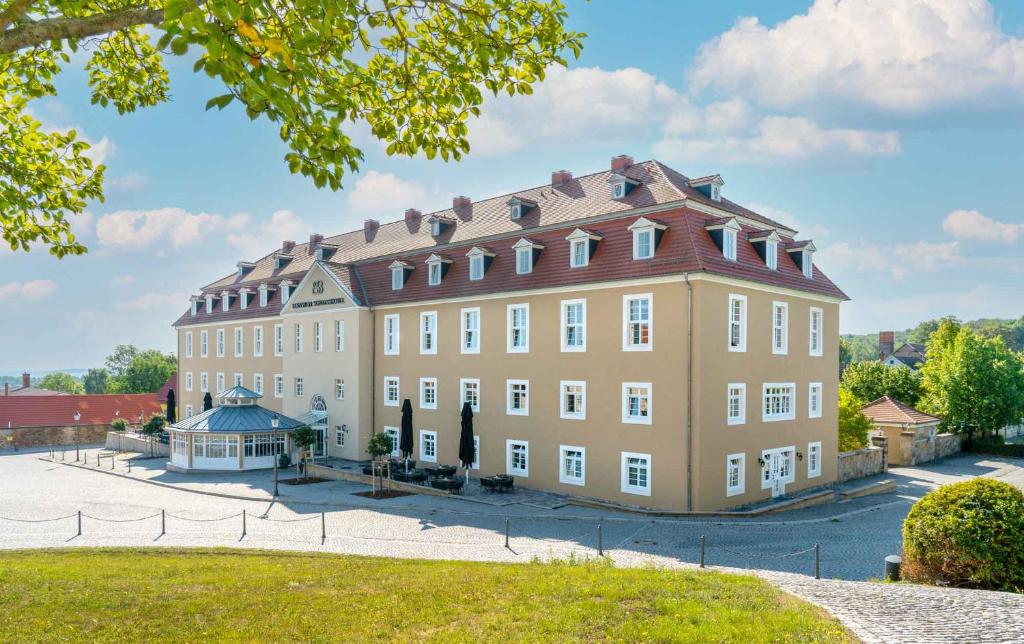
x=95, y=381
x=871, y=380
x=414, y=71
x=853, y=425
x=60, y=381
x=119, y=360
x=147, y=372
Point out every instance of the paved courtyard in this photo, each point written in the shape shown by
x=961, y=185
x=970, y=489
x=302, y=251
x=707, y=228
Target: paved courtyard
x=155, y=507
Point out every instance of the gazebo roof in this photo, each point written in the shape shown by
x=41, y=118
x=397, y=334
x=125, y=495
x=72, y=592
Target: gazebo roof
x=237, y=419
x=238, y=393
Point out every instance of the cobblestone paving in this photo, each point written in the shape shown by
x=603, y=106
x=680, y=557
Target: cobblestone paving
x=854, y=536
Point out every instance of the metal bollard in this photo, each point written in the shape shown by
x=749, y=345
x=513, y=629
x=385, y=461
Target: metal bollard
x=892, y=567
x=129, y=465
x=323, y=527
x=817, y=561
x=243, y=522
x=506, y=532
x=111, y=462
x=163, y=522
x=701, y=551
x=600, y=538
x=79, y=524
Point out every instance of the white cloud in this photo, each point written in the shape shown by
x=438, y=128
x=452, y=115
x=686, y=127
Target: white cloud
x=153, y=303
x=899, y=260
x=99, y=151
x=33, y=290
x=817, y=231
x=131, y=182
x=900, y=55
x=255, y=240
x=384, y=192
x=972, y=225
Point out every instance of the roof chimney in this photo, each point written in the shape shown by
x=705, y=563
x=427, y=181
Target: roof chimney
x=621, y=162
x=412, y=215
x=287, y=246
x=314, y=243
x=560, y=177
x=461, y=202
x=7, y=389
x=886, y=344
x=370, y=227
x=26, y=379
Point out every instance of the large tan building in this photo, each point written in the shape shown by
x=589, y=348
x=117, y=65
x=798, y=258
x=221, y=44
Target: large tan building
x=629, y=336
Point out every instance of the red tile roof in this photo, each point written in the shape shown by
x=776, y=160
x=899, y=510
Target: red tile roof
x=172, y=383
x=59, y=411
x=887, y=410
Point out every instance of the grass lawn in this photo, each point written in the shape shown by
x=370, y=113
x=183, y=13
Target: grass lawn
x=163, y=594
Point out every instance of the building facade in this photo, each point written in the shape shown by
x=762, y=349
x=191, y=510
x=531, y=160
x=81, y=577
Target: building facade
x=629, y=336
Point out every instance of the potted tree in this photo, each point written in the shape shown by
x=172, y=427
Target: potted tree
x=303, y=437
x=380, y=445
x=153, y=427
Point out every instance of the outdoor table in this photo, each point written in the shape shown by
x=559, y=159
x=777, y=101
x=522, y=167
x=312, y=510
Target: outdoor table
x=451, y=485
x=497, y=483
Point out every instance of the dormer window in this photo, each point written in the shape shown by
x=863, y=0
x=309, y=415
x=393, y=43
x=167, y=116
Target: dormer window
x=729, y=244
x=518, y=207
x=582, y=245
x=766, y=243
x=399, y=274
x=280, y=261
x=716, y=192
x=440, y=225
x=243, y=298
x=621, y=185
x=527, y=254
x=324, y=251
x=479, y=261
x=802, y=254
x=244, y=268
x=264, y=293
x=437, y=267
x=286, y=291
x=771, y=258
x=807, y=264
x=225, y=300
x=209, y=304
x=647, y=235
x=710, y=186
x=724, y=232
x=195, y=305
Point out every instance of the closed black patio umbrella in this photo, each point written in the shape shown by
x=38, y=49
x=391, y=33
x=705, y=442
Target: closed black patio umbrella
x=467, y=450
x=172, y=415
x=207, y=402
x=405, y=438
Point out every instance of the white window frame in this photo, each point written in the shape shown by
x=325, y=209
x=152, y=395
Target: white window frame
x=318, y=336
x=509, y=410
x=299, y=387
x=339, y=389
x=574, y=244
x=204, y=382
x=434, y=273
x=396, y=382
x=741, y=475
x=424, y=435
x=278, y=385
x=770, y=418
x=238, y=380
x=204, y=344
x=563, y=476
x=257, y=383
x=741, y=324
x=780, y=332
x=278, y=339
x=263, y=294
x=464, y=314
x=339, y=436
x=188, y=381
x=509, y=444
x=396, y=435
x=339, y=335
x=563, y=314
x=526, y=252
x=462, y=393
x=188, y=344
x=627, y=336
x=426, y=331
x=563, y=400
x=476, y=268
x=299, y=339
x=816, y=331
x=814, y=395
x=257, y=341
x=637, y=420
x=771, y=254
x=814, y=459
x=790, y=451
x=239, y=342
x=221, y=382
x=220, y=343
x=188, y=411
x=729, y=237
x=639, y=234
x=741, y=418
x=392, y=334
x=510, y=327
x=625, y=486
x=425, y=385
x=397, y=278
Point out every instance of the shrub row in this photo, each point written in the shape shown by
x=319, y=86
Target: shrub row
x=998, y=449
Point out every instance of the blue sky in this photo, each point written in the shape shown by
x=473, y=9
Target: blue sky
x=889, y=131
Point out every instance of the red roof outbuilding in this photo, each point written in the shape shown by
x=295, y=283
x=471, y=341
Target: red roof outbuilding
x=59, y=411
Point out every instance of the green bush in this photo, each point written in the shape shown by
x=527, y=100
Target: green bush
x=853, y=425
x=989, y=446
x=380, y=445
x=119, y=425
x=967, y=534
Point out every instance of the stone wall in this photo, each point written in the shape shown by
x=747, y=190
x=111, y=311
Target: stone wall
x=860, y=463
x=46, y=436
x=946, y=444
x=125, y=442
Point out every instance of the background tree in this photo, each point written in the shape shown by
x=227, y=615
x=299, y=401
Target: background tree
x=119, y=360
x=147, y=372
x=60, y=381
x=869, y=381
x=415, y=71
x=845, y=355
x=853, y=425
x=95, y=381
x=154, y=425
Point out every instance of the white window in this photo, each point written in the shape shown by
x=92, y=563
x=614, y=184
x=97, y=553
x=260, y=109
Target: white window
x=729, y=244
x=391, y=334
x=469, y=392
x=579, y=253
x=637, y=403
x=428, y=393
x=204, y=382
x=237, y=382
x=239, y=341
x=220, y=382
x=188, y=344
x=298, y=338
x=397, y=278
x=637, y=322
x=476, y=267
x=808, y=264
x=573, y=399
x=771, y=254
x=257, y=341
x=735, y=466
x=813, y=460
x=393, y=432
x=716, y=192
x=517, y=401
x=470, y=330
x=257, y=383
x=572, y=468
x=428, y=446
x=779, y=401
x=737, y=322
x=339, y=335
x=391, y=391
x=300, y=388
x=518, y=328
x=475, y=465
x=339, y=389
x=517, y=458
x=339, y=436
x=263, y=294
x=220, y=343
x=204, y=344
x=777, y=462
x=574, y=325
x=225, y=301
x=780, y=328
x=816, y=330
x=188, y=381
x=286, y=291
x=434, y=273
x=736, y=413
x=318, y=337
x=428, y=332
x=278, y=385
x=209, y=304
x=643, y=244
x=278, y=339
x=524, y=260
x=636, y=473
x=188, y=411
x=814, y=400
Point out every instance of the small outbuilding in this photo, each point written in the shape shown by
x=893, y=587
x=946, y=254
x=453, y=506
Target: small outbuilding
x=235, y=435
x=910, y=434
